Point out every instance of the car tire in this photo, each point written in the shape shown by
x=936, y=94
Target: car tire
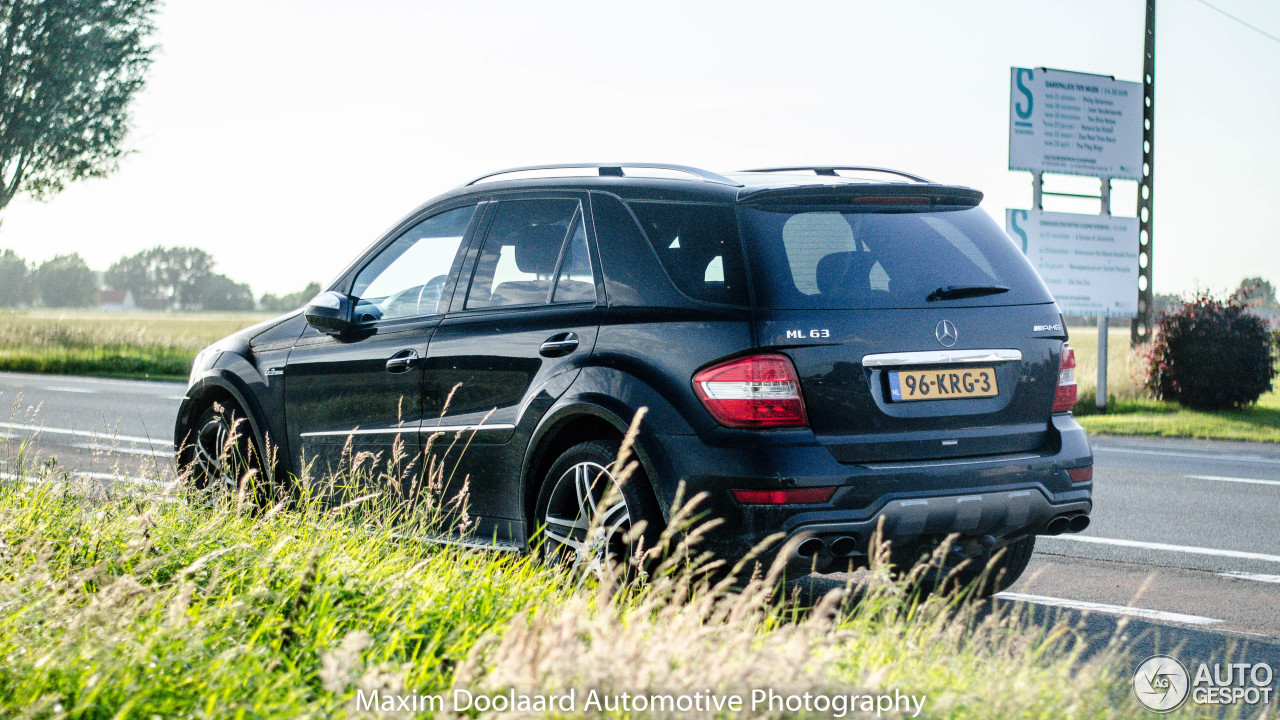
x=989, y=577
x=569, y=499
x=218, y=463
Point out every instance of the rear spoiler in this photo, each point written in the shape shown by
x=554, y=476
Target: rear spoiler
x=897, y=195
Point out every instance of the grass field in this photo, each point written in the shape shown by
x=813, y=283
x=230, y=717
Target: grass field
x=155, y=346
x=130, y=606
x=1130, y=412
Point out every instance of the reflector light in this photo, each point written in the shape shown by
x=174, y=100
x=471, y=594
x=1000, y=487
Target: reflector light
x=794, y=496
x=1084, y=474
x=1065, y=398
x=760, y=391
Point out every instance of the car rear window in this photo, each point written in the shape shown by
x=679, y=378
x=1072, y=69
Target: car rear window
x=824, y=257
x=699, y=248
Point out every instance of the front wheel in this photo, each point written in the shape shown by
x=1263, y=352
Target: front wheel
x=220, y=456
x=586, y=515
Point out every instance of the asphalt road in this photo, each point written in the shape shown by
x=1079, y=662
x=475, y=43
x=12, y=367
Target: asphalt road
x=1183, y=552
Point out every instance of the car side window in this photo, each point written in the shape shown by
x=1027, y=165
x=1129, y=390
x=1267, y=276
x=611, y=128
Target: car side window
x=521, y=252
x=409, y=276
x=575, y=282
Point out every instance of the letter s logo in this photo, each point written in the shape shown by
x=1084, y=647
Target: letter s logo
x=1026, y=92
x=1014, y=217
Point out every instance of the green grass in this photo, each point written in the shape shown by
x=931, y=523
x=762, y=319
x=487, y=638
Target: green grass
x=1131, y=412
x=155, y=346
x=136, y=606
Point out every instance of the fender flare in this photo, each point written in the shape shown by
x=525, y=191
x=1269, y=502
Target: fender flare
x=574, y=408
x=212, y=382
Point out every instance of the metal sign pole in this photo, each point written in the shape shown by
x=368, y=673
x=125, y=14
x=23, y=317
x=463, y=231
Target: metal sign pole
x=1100, y=397
x=1140, y=331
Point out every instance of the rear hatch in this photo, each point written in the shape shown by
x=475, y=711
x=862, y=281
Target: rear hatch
x=918, y=329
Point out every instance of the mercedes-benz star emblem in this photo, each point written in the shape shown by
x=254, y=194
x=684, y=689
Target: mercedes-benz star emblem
x=946, y=333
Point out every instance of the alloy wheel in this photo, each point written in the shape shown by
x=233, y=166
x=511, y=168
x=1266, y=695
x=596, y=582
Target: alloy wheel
x=587, y=517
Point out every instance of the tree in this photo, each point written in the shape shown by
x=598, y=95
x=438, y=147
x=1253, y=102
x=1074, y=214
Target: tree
x=176, y=274
x=290, y=302
x=15, y=280
x=66, y=281
x=1256, y=292
x=219, y=292
x=68, y=72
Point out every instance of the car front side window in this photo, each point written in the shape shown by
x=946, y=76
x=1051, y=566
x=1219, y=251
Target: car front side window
x=408, y=277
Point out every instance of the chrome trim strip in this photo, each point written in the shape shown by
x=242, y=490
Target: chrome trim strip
x=941, y=357
x=407, y=428
x=458, y=428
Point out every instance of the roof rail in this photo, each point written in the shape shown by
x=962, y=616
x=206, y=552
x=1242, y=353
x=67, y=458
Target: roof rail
x=830, y=170
x=615, y=170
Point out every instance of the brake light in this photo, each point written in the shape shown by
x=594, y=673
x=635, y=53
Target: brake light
x=891, y=200
x=760, y=391
x=794, y=496
x=1065, y=399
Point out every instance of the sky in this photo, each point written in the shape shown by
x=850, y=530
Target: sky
x=284, y=136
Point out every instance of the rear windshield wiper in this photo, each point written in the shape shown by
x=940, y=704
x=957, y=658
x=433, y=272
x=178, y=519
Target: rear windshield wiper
x=954, y=292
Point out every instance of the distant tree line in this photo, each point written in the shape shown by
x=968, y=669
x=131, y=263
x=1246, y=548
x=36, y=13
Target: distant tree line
x=175, y=278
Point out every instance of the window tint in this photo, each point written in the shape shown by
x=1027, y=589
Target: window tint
x=575, y=282
x=823, y=258
x=409, y=276
x=699, y=248
x=518, y=260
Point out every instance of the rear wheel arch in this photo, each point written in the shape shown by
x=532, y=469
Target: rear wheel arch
x=562, y=430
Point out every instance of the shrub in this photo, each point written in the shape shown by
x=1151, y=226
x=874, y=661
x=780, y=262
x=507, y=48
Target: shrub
x=1211, y=354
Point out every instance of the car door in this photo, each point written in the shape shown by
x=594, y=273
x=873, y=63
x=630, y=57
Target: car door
x=519, y=329
x=355, y=399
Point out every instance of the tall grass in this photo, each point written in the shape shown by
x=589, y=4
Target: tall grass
x=118, y=603
x=139, y=345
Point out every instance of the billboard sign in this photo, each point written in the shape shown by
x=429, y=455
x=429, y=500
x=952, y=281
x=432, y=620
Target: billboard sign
x=1074, y=124
x=1089, y=262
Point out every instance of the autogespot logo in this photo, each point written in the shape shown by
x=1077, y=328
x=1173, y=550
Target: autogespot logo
x=1161, y=683
x=946, y=333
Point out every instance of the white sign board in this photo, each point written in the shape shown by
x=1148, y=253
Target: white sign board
x=1089, y=262
x=1074, y=124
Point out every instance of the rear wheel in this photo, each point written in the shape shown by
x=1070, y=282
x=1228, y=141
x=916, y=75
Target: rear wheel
x=221, y=455
x=586, y=515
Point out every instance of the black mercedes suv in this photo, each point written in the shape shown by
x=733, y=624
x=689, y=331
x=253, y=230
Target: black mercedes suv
x=824, y=352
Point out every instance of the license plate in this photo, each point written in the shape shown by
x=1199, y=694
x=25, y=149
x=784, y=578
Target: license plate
x=905, y=385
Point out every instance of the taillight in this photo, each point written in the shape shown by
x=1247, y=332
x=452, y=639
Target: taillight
x=760, y=391
x=1065, y=399
x=793, y=496
x=1084, y=474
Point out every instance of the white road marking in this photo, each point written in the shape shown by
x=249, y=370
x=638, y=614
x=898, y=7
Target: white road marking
x=1247, y=481
x=114, y=477
x=1158, y=615
x=86, y=433
x=89, y=475
x=1202, y=456
x=124, y=450
x=70, y=390
x=1189, y=549
x=1256, y=577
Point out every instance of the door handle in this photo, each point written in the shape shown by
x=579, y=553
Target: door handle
x=559, y=345
x=402, y=361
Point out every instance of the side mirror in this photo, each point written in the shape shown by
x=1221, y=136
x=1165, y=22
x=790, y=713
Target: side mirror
x=330, y=312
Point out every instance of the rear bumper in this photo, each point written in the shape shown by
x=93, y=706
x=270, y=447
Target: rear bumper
x=998, y=498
